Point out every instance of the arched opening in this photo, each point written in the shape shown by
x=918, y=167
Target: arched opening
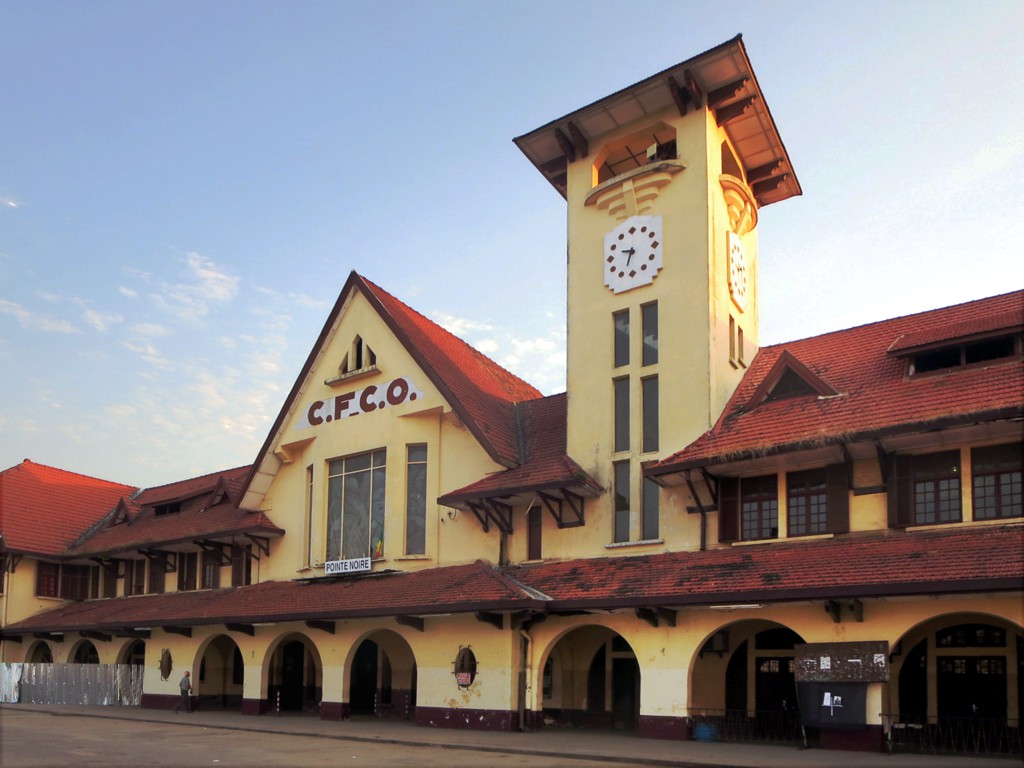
x=591, y=679
x=957, y=684
x=39, y=653
x=221, y=674
x=85, y=653
x=743, y=683
x=134, y=654
x=295, y=676
x=382, y=677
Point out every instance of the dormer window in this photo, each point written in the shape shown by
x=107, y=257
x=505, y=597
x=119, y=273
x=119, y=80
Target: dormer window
x=968, y=353
x=790, y=384
x=170, y=508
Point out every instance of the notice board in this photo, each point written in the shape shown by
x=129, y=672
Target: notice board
x=866, y=661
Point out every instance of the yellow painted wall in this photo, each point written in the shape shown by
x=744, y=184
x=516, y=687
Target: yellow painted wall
x=455, y=458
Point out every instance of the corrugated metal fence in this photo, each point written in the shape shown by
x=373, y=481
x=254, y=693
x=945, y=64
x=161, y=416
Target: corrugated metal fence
x=97, y=684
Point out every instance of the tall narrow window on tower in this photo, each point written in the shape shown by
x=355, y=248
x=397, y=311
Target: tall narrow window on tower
x=620, y=322
x=621, y=414
x=649, y=396
x=649, y=322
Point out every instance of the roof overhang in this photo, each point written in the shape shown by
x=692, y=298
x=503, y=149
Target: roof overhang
x=720, y=79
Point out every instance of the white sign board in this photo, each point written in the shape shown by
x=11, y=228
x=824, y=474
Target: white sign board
x=334, y=567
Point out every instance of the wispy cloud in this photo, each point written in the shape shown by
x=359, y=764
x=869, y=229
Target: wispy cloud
x=210, y=284
x=7, y=201
x=101, y=321
x=35, y=321
x=130, y=293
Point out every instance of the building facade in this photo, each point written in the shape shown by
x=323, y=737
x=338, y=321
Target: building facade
x=698, y=534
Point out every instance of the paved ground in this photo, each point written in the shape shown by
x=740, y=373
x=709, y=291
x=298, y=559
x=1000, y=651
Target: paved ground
x=38, y=735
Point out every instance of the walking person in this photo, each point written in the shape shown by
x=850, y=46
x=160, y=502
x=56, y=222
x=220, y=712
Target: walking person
x=185, y=686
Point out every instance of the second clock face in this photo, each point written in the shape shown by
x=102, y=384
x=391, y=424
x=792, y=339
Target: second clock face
x=632, y=253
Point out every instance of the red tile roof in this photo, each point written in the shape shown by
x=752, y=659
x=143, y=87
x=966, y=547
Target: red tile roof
x=546, y=467
x=481, y=392
x=876, y=397
x=947, y=561
x=42, y=509
x=462, y=588
x=933, y=562
x=208, y=511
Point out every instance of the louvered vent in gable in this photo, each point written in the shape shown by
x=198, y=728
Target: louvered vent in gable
x=789, y=378
x=359, y=359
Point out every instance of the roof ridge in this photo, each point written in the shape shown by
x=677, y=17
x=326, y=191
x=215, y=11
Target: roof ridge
x=883, y=321
x=476, y=352
x=218, y=473
x=65, y=472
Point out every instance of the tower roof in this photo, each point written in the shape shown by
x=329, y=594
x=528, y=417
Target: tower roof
x=720, y=79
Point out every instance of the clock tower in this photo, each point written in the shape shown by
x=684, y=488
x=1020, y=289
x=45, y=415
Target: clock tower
x=664, y=181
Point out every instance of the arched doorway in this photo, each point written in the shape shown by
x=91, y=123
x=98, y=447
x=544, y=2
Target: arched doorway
x=221, y=674
x=960, y=667
x=382, y=676
x=743, y=683
x=295, y=676
x=85, y=653
x=39, y=653
x=591, y=679
x=134, y=654
x=956, y=685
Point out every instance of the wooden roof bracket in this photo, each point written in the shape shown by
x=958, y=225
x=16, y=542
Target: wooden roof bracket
x=14, y=559
x=160, y=557
x=183, y=631
x=566, y=145
x=245, y=629
x=57, y=637
x=489, y=511
x=324, y=626
x=524, y=620
x=416, y=622
x=557, y=507
x=262, y=544
x=481, y=515
x=496, y=620
x=719, y=96
x=215, y=547
x=578, y=139
x=733, y=111
x=655, y=615
x=834, y=609
x=94, y=635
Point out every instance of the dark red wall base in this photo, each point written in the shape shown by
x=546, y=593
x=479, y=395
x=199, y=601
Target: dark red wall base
x=868, y=739
x=472, y=719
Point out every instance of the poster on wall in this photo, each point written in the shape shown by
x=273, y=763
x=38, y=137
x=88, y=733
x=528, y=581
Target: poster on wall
x=833, y=705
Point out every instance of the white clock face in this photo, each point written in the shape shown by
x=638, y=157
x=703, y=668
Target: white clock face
x=632, y=253
x=737, y=271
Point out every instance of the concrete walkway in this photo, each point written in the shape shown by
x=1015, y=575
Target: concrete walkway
x=620, y=748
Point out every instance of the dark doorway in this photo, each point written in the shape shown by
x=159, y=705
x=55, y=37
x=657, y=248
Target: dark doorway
x=293, y=657
x=775, y=686
x=363, y=690
x=914, y=685
x=972, y=686
x=736, y=680
x=625, y=693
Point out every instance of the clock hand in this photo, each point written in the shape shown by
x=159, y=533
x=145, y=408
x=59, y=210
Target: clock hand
x=629, y=254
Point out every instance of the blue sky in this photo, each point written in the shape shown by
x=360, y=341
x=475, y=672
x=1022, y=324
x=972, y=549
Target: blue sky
x=185, y=186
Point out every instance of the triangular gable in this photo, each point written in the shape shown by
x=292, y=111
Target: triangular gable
x=122, y=513
x=479, y=391
x=789, y=378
